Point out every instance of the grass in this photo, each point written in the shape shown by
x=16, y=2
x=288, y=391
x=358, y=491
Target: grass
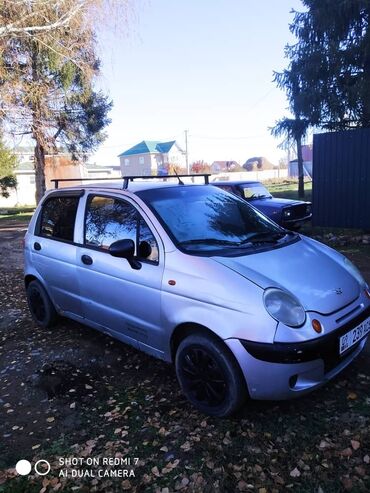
x=26, y=216
x=288, y=189
x=16, y=213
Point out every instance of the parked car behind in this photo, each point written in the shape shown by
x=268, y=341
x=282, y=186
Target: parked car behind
x=288, y=213
x=195, y=276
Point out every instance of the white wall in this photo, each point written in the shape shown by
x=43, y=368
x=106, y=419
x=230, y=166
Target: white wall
x=266, y=174
x=25, y=192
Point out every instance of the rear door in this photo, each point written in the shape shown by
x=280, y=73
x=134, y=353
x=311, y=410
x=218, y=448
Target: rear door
x=54, y=251
x=118, y=298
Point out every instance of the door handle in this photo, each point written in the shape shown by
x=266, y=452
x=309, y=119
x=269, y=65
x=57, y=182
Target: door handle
x=86, y=259
x=37, y=246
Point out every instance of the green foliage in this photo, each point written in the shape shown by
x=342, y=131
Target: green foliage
x=290, y=128
x=328, y=78
x=8, y=162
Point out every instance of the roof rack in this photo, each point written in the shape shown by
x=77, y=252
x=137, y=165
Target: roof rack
x=126, y=179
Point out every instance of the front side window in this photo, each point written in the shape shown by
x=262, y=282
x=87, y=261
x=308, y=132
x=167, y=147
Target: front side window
x=58, y=217
x=109, y=219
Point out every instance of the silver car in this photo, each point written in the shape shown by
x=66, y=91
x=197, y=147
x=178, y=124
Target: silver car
x=198, y=277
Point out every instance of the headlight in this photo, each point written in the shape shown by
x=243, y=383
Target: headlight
x=308, y=209
x=287, y=212
x=352, y=269
x=283, y=307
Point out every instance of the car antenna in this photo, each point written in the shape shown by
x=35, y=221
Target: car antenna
x=180, y=181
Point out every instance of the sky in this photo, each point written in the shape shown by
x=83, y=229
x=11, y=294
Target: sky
x=205, y=66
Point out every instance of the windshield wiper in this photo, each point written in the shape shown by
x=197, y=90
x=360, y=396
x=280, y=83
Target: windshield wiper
x=209, y=241
x=259, y=196
x=266, y=237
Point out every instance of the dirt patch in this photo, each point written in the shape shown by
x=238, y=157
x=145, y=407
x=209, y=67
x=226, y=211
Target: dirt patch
x=12, y=233
x=73, y=392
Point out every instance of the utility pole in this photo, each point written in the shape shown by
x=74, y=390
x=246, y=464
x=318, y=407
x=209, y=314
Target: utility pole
x=186, y=152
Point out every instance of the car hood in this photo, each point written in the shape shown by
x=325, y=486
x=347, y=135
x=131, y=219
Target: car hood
x=275, y=203
x=310, y=271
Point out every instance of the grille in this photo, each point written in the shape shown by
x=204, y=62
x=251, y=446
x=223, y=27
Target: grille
x=297, y=211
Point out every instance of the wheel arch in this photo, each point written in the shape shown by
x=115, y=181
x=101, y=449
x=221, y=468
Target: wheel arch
x=29, y=278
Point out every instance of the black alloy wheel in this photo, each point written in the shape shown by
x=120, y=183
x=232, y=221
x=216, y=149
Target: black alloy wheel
x=209, y=375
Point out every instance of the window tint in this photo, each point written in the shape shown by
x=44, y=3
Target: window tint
x=58, y=218
x=206, y=218
x=109, y=219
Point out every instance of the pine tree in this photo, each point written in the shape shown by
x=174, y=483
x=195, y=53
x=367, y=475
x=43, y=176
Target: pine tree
x=328, y=78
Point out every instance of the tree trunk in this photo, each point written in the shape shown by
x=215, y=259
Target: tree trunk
x=300, y=169
x=39, y=171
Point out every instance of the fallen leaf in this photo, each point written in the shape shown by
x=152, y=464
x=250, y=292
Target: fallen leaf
x=355, y=444
x=347, y=452
x=295, y=473
x=126, y=485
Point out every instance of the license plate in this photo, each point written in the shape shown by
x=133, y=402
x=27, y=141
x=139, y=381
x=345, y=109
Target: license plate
x=354, y=335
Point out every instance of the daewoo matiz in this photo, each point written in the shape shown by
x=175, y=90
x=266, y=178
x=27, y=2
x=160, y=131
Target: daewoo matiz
x=196, y=276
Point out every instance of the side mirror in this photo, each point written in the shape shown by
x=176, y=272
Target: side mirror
x=125, y=249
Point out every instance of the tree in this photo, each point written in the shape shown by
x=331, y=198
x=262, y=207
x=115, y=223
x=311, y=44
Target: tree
x=328, y=78
x=200, y=166
x=48, y=67
x=8, y=163
x=293, y=129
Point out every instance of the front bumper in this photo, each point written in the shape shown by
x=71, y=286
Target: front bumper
x=283, y=371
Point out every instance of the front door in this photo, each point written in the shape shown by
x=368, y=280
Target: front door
x=121, y=300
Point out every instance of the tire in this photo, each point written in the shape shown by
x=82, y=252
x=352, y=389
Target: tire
x=40, y=305
x=209, y=376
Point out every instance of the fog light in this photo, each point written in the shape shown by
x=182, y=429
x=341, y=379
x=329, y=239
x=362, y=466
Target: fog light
x=316, y=326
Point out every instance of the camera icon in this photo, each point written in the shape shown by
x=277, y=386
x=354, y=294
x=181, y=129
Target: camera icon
x=24, y=467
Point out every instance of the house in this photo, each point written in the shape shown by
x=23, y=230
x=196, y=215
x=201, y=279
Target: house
x=221, y=166
x=56, y=166
x=151, y=157
x=307, y=152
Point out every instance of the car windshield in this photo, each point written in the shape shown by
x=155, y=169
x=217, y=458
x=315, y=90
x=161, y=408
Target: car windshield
x=204, y=218
x=255, y=191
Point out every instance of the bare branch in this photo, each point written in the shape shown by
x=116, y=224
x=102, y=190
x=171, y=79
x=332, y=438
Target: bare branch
x=62, y=22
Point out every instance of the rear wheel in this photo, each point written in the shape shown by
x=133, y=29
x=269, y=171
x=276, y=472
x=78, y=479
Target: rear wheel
x=209, y=375
x=40, y=305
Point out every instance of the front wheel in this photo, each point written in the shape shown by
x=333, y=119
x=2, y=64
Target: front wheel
x=209, y=375
x=40, y=305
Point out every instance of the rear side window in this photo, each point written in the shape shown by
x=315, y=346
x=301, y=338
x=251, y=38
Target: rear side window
x=58, y=217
